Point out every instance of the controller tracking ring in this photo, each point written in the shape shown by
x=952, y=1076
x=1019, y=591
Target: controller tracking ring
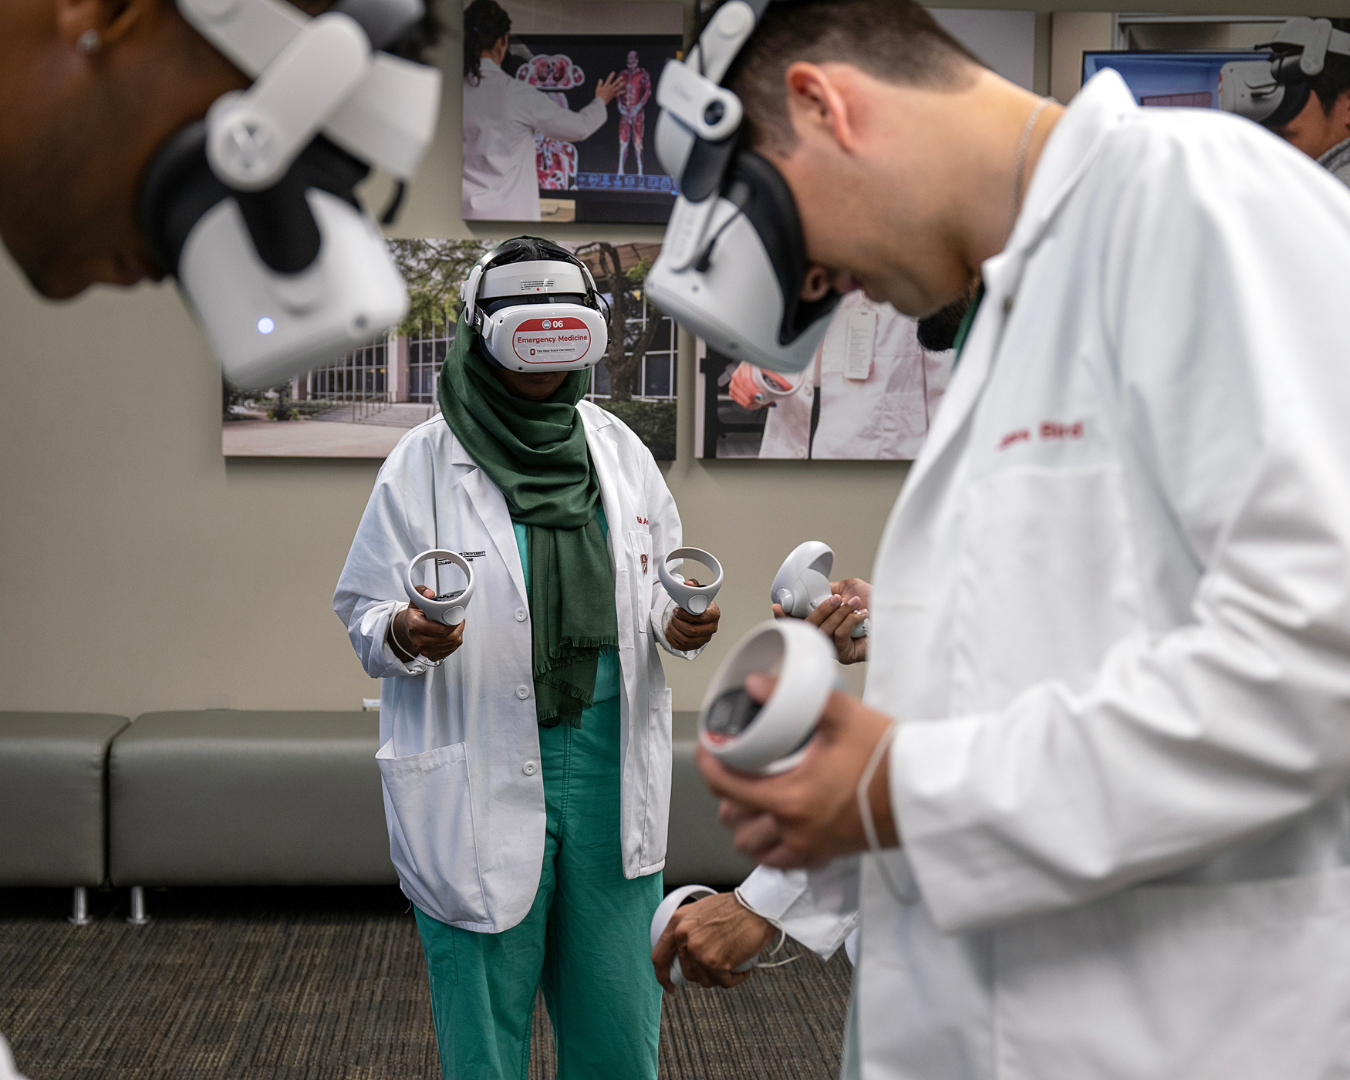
x=695, y=599
x=448, y=609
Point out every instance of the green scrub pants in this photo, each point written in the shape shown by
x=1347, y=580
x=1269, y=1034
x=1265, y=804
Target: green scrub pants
x=585, y=941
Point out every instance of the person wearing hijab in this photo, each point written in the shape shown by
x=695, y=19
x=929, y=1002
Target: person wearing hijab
x=526, y=752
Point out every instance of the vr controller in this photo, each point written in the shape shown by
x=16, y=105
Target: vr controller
x=693, y=598
x=767, y=389
x=661, y=919
x=802, y=583
x=447, y=608
x=772, y=737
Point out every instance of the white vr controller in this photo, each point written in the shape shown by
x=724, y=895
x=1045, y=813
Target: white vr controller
x=802, y=583
x=767, y=389
x=769, y=738
x=693, y=598
x=662, y=918
x=447, y=608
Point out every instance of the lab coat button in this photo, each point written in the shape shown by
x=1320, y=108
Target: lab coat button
x=521, y=614
x=522, y=692
x=529, y=768
x=801, y=451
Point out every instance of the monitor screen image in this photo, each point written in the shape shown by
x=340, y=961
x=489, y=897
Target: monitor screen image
x=1185, y=79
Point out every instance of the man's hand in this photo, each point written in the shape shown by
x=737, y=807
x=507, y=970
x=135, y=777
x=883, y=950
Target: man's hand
x=743, y=388
x=688, y=632
x=710, y=937
x=837, y=616
x=809, y=814
x=607, y=89
x=415, y=635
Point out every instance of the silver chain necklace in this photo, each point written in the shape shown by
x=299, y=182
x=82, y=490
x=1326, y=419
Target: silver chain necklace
x=1022, y=160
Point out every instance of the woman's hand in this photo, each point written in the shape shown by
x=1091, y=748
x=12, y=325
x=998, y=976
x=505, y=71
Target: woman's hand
x=415, y=635
x=837, y=616
x=688, y=632
x=607, y=89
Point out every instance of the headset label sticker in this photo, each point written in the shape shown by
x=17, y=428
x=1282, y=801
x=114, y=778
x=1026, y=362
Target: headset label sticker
x=551, y=341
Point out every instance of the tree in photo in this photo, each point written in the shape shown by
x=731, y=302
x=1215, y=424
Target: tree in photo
x=629, y=338
x=433, y=270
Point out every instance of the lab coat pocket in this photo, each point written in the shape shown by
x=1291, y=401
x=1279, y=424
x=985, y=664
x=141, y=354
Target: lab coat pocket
x=643, y=572
x=431, y=798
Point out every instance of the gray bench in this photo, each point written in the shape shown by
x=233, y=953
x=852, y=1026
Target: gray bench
x=247, y=798
x=242, y=798
x=53, y=800
x=698, y=847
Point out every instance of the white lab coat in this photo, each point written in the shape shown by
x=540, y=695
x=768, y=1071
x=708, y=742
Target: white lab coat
x=501, y=116
x=459, y=754
x=876, y=410
x=1112, y=612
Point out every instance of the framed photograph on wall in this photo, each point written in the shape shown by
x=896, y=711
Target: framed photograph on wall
x=360, y=406
x=869, y=394
x=560, y=115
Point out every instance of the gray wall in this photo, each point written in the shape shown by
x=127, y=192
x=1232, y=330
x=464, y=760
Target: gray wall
x=140, y=570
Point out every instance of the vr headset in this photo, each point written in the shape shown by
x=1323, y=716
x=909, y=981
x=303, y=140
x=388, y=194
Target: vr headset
x=535, y=307
x=254, y=210
x=734, y=261
x=1275, y=90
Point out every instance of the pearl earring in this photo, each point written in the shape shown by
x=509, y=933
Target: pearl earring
x=88, y=42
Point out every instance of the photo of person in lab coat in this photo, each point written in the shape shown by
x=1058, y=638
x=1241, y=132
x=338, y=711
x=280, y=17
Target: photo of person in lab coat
x=526, y=752
x=869, y=395
x=502, y=116
x=1092, y=811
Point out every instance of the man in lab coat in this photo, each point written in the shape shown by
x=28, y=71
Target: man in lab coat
x=1108, y=702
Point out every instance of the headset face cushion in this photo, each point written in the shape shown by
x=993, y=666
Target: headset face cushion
x=767, y=202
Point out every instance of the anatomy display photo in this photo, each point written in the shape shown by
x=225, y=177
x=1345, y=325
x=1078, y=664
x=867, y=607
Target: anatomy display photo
x=560, y=126
x=869, y=394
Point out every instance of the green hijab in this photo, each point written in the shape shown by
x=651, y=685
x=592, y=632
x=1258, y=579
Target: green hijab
x=535, y=452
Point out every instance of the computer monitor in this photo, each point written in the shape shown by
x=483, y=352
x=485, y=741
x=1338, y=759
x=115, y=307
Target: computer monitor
x=1170, y=78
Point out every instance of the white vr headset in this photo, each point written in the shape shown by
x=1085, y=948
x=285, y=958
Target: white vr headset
x=733, y=263
x=535, y=307
x=1272, y=91
x=254, y=210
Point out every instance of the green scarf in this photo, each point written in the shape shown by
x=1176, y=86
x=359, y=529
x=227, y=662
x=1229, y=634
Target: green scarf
x=535, y=452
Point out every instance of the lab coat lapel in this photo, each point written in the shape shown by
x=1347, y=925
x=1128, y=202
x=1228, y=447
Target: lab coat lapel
x=490, y=505
x=600, y=442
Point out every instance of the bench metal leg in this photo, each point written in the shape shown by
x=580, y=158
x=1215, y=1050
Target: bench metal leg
x=138, y=917
x=79, y=908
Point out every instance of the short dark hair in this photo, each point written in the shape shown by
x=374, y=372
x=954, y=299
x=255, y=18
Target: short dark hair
x=895, y=40
x=1334, y=79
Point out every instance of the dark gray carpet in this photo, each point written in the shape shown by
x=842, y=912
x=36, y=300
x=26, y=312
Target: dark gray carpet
x=324, y=983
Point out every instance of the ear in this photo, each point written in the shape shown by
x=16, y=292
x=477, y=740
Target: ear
x=111, y=20
x=815, y=103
